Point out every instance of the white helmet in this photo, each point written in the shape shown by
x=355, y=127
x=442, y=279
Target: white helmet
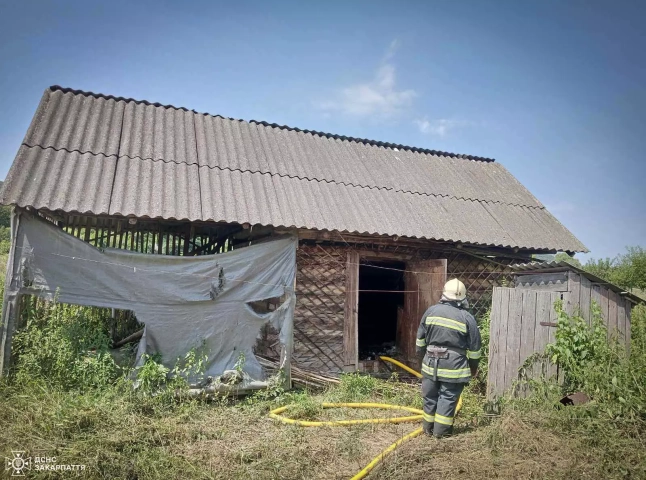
x=454, y=289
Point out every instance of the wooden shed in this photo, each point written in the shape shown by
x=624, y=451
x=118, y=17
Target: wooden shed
x=380, y=225
x=523, y=319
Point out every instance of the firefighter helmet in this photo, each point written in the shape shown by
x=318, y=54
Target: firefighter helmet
x=454, y=289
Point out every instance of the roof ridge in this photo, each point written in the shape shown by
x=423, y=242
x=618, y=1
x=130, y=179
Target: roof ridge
x=365, y=141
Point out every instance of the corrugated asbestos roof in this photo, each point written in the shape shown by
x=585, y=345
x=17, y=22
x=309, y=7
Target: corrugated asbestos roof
x=98, y=154
x=554, y=266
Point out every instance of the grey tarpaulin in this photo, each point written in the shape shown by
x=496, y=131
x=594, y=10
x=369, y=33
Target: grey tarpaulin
x=184, y=302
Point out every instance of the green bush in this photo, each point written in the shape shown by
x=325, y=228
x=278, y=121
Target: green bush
x=600, y=367
x=484, y=324
x=63, y=345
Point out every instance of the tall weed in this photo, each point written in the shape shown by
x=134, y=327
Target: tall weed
x=63, y=345
x=599, y=366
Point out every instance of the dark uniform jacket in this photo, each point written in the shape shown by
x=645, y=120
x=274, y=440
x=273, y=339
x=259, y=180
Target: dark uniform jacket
x=446, y=325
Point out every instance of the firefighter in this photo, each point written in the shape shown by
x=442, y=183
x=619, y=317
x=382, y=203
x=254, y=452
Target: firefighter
x=449, y=339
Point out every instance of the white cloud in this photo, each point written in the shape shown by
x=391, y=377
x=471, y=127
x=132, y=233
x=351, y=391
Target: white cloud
x=378, y=97
x=438, y=127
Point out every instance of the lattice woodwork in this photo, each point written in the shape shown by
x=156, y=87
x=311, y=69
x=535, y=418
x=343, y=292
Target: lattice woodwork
x=479, y=276
x=320, y=301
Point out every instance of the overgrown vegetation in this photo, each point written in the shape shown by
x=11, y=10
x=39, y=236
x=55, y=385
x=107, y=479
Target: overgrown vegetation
x=66, y=346
x=601, y=367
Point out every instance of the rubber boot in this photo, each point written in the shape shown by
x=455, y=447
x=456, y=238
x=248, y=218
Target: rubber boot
x=428, y=428
x=446, y=433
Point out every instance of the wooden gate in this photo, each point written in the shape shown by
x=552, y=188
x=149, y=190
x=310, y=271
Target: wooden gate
x=522, y=323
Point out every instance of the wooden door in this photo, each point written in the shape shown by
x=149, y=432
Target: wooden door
x=424, y=281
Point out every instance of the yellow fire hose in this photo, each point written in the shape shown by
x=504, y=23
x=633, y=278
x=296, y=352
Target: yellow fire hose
x=276, y=414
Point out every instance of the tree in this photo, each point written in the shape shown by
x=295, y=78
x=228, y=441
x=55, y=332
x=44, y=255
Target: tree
x=626, y=270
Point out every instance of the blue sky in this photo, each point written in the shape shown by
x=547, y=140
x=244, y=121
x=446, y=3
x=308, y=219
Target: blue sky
x=555, y=91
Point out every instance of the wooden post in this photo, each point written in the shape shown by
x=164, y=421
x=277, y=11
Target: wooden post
x=494, y=342
x=351, y=313
x=11, y=301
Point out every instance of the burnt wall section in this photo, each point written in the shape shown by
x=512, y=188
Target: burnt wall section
x=320, y=292
x=320, y=303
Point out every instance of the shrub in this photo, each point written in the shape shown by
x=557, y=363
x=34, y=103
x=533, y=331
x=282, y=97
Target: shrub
x=599, y=367
x=63, y=345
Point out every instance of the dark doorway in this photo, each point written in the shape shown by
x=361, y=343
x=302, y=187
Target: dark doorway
x=381, y=295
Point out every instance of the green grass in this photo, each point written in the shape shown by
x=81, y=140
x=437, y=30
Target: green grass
x=119, y=433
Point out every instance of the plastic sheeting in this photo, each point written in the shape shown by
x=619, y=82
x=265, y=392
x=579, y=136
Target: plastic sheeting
x=196, y=302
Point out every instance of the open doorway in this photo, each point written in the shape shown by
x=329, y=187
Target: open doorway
x=381, y=301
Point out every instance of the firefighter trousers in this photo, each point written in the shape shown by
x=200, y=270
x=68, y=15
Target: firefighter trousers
x=440, y=401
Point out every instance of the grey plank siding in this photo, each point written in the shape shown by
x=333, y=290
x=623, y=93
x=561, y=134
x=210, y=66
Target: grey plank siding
x=585, y=297
x=604, y=306
x=628, y=324
x=574, y=291
x=528, y=324
x=621, y=318
x=494, y=339
x=612, y=314
x=551, y=337
x=542, y=334
x=512, y=357
x=501, y=318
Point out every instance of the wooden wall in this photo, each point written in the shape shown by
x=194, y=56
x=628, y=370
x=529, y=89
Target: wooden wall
x=320, y=308
x=325, y=334
x=523, y=321
x=520, y=326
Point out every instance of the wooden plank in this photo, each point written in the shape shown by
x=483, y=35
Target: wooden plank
x=541, y=336
x=424, y=280
x=351, y=312
x=571, y=303
x=595, y=299
x=528, y=331
x=499, y=319
x=556, y=282
x=603, y=304
x=612, y=314
x=86, y=231
x=629, y=307
x=621, y=318
x=512, y=355
x=584, y=299
x=370, y=255
x=494, y=342
x=551, y=369
x=528, y=324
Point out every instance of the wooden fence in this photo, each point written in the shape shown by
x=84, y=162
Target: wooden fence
x=523, y=322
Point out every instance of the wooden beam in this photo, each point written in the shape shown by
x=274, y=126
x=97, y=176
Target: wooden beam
x=370, y=255
x=351, y=312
